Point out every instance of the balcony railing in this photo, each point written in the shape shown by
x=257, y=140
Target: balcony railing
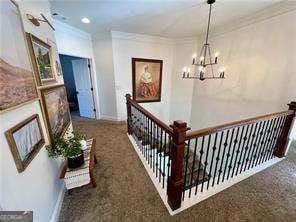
x=188, y=163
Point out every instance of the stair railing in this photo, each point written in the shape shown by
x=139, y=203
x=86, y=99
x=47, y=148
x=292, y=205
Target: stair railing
x=188, y=163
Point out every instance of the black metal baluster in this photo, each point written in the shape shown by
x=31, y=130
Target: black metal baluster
x=206, y=162
x=159, y=155
x=154, y=145
x=267, y=141
x=256, y=144
x=199, y=164
x=218, y=157
x=247, y=148
x=141, y=132
x=240, y=150
x=158, y=148
x=212, y=160
x=169, y=153
x=150, y=141
x=146, y=136
x=164, y=165
x=260, y=144
x=254, y=136
x=235, y=144
x=186, y=166
x=223, y=154
x=193, y=165
x=228, y=154
x=274, y=129
x=279, y=131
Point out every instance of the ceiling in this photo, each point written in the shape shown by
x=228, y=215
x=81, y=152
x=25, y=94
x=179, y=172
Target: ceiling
x=166, y=18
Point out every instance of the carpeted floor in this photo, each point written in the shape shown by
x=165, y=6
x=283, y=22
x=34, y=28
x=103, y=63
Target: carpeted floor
x=126, y=193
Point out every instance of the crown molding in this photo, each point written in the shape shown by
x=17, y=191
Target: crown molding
x=141, y=38
x=259, y=16
x=65, y=28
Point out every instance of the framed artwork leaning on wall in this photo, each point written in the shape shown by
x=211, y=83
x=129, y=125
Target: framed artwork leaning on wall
x=17, y=81
x=41, y=57
x=25, y=140
x=56, y=109
x=147, y=79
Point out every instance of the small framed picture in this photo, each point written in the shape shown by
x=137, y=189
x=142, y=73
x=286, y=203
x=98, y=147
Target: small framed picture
x=147, y=77
x=40, y=53
x=25, y=140
x=56, y=109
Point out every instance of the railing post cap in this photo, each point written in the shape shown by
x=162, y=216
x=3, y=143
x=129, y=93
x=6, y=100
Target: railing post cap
x=180, y=124
x=128, y=95
x=292, y=105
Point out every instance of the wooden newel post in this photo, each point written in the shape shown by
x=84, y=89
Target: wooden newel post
x=129, y=114
x=283, y=141
x=176, y=180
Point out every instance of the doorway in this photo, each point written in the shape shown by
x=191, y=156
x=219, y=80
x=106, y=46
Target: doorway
x=78, y=82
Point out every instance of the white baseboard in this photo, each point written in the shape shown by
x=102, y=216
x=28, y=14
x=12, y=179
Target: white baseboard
x=57, y=209
x=112, y=118
x=188, y=202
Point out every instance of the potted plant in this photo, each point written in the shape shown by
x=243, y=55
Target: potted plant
x=70, y=148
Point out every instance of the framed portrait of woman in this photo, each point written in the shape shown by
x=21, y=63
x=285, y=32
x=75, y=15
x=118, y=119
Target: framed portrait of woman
x=147, y=79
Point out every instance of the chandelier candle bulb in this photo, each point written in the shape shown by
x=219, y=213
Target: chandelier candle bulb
x=216, y=57
x=194, y=59
x=184, y=71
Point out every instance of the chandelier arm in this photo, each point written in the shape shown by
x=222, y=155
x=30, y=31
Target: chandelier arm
x=201, y=54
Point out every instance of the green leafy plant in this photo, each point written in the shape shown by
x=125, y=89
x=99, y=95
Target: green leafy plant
x=65, y=147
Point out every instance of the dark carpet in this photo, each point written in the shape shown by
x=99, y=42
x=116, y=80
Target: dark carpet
x=126, y=193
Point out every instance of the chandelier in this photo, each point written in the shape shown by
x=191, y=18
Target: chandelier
x=205, y=62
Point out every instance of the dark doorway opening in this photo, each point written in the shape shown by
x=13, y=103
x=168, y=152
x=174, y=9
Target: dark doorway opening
x=67, y=68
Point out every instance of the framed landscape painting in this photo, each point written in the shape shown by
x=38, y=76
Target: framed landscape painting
x=56, y=109
x=41, y=57
x=147, y=77
x=17, y=81
x=25, y=140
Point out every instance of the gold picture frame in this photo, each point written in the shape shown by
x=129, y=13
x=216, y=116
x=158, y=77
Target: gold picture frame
x=146, y=80
x=42, y=62
x=56, y=110
x=18, y=85
x=25, y=141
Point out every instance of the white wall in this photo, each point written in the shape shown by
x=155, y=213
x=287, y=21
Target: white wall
x=182, y=89
x=260, y=77
x=74, y=42
x=125, y=47
x=102, y=45
x=39, y=186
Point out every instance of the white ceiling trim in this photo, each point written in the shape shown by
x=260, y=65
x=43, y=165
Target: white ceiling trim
x=141, y=38
x=65, y=28
x=260, y=16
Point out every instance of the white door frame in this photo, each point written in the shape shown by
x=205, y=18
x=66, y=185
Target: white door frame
x=94, y=81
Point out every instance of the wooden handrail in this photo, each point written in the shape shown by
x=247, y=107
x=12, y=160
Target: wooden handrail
x=215, y=129
x=161, y=124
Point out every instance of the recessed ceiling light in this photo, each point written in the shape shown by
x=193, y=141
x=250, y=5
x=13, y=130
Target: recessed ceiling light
x=85, y=20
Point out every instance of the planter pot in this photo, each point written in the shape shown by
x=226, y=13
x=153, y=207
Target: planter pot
x=83, y=144
x=76, y=161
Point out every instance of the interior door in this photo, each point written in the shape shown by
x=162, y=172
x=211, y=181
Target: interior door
x=84, y=87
